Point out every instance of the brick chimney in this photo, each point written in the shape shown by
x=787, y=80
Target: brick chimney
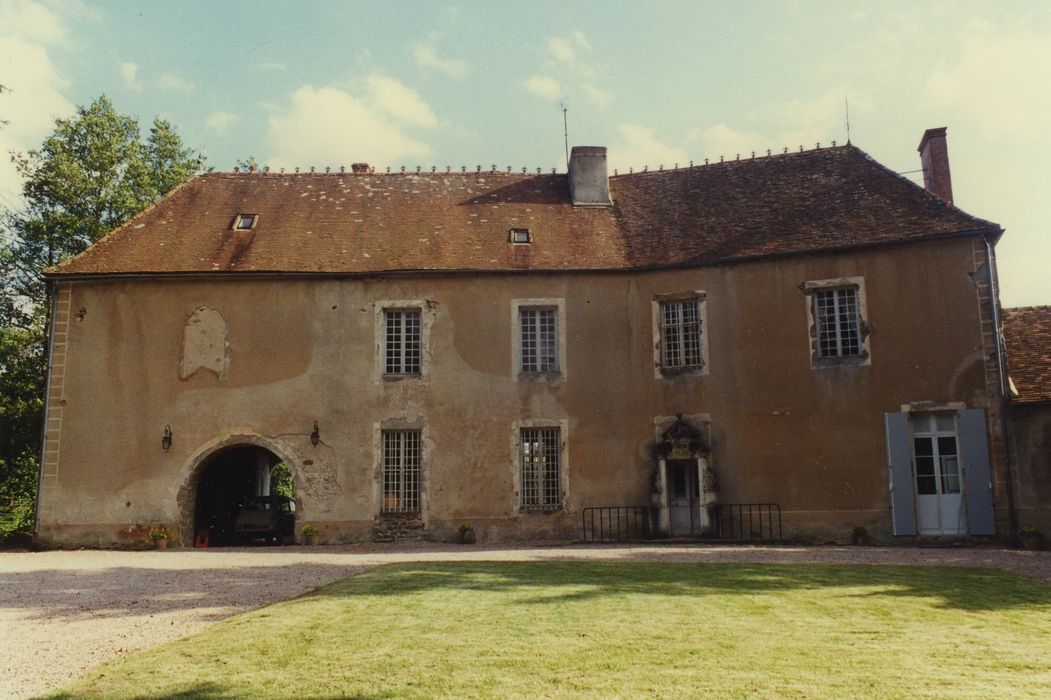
x=934, y=157
x=360, y=168
x=588, y=178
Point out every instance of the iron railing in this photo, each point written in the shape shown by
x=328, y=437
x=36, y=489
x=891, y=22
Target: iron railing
x=618, y=523
x=748, y=522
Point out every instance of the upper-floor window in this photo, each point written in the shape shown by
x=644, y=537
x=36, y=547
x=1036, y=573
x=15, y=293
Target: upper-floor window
x=538, y=337
x=680, y=326
x=540, y=462
x=520, y=235
x=680, y=342
x=401, y=341
x=839, y=331
x=838, y=323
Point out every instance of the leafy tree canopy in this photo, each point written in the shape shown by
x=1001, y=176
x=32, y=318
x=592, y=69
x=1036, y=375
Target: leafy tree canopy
x=93, y=173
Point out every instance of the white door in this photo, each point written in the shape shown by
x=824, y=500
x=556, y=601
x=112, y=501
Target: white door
x=683, y=499
x=936, y=464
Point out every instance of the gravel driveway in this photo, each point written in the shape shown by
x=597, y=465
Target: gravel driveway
x=64, y=612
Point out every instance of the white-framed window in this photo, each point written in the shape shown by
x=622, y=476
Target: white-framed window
x=680, y=339
x=680, y=324
x=401, y=471
x=935, y=454
x=538, y=329
x=838, y=324
x=538, y=350
x=520, y=236
x=540, y=468
x=401, y=341
x=836, y=313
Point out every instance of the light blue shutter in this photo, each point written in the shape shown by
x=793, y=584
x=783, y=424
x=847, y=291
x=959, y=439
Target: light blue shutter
x=977, y=476
x=899, y=460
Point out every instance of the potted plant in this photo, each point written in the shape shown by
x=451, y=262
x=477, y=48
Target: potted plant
x=1032, y=538
x=311, y=535
x=159, y=537
x=467, y=534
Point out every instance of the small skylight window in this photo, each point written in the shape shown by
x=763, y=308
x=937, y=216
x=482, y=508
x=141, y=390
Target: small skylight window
x=245, y=222
x=521, y=235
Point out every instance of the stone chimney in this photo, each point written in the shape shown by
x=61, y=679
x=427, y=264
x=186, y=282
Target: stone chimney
x=360, y=168
x=588, y=179
x=934, y=157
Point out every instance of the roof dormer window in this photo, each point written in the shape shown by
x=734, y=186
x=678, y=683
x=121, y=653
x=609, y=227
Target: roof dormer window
x=245, y=222
x=521, y=236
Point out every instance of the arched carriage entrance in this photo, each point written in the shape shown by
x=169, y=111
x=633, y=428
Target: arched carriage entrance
x=236, y=475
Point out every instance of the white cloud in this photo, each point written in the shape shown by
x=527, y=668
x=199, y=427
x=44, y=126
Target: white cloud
x=428, y=59
x=800, y=123
x=396, y=100
x=129, y=74
x=330, y=126
x=175, y=83
x=220, y=121
x=35, y=98
x=722, y=140
x=270, y=67
x=545, y=86
x=569, y=58
x=639, y=146
x=561, y=49
x=31, y=21
x=998, y=82
x=599, y=98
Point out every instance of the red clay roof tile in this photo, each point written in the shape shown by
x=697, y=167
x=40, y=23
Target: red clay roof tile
x=367, y=223
x=1027, y=335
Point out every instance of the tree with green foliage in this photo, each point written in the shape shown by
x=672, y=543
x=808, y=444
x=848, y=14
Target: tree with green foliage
x=93, y=173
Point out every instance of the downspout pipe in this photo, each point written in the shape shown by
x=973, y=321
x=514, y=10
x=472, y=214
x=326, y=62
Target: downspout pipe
x=52, y=305
x=1001, y=366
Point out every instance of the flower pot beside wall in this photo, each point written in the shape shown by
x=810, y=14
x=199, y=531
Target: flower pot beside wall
x=467, y=535
x=161, y=543
x=1033, y=541
x=312, y=540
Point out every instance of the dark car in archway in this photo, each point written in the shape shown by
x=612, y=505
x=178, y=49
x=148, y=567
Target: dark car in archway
x=267, y=518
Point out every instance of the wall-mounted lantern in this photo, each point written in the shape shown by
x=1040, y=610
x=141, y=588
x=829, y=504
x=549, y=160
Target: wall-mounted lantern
x=166, y=441
x=315, y=437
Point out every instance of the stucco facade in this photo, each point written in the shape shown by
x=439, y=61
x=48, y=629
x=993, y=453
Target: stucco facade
x=228, y=360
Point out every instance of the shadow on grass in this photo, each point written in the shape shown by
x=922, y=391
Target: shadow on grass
x=542, y=583
x=203, y=691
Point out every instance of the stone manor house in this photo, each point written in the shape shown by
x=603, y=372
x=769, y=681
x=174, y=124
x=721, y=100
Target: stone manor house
x=787, y=345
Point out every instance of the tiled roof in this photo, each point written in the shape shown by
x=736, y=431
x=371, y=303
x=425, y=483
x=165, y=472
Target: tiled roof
x=1027, y=334
x=369, y=223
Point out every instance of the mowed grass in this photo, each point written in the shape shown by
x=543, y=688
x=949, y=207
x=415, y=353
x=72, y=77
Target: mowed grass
x=573, y=629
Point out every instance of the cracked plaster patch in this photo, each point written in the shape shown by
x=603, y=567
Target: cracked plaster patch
x=205, y=344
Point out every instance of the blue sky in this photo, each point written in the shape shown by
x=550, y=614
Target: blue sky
x=480, y=83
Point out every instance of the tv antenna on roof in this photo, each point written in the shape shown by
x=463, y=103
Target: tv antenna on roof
x=846, y=107
x=565, y=128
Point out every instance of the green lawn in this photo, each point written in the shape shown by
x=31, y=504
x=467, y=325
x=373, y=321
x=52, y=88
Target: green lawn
x=618, y=630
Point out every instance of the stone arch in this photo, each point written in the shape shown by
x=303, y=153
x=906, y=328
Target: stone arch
x=196, y=465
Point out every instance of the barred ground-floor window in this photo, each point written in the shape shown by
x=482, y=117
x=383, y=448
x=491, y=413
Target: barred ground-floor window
x=540, y=462
x=401, y=471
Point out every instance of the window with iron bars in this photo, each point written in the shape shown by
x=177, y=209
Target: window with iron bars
x=838, y=322
x=681, y=334
x=541, y=468
x=539, y=338
x=401, y=341
x=401, y=471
